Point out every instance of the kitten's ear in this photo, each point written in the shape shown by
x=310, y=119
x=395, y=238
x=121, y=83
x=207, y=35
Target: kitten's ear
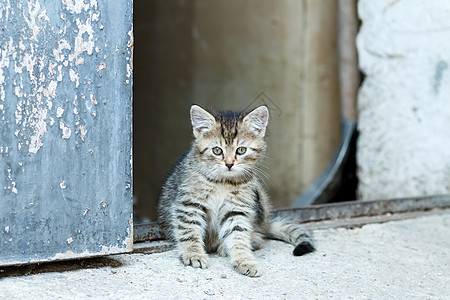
x=201, y=120
x=257, y=120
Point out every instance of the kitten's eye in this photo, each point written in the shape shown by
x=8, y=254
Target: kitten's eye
x=217, y=150
x=241, y=150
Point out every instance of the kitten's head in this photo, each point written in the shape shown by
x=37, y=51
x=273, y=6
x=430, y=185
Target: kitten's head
x=229, y=144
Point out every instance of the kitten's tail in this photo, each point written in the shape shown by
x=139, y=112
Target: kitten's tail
x=281, y=228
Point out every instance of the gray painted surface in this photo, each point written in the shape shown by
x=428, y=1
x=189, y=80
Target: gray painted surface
x=65, y=129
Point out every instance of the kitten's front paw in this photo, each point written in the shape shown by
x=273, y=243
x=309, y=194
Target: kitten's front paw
x=247, y=268
x=196, y=260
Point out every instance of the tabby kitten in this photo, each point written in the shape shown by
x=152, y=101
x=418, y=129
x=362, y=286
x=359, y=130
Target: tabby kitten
x=213, y=200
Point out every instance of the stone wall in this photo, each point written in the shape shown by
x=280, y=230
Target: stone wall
x=404, y=102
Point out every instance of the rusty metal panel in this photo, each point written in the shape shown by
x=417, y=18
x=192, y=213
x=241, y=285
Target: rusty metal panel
x=65, y=129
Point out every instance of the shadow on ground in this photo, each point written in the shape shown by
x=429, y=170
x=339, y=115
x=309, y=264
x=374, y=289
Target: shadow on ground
x=60, y=266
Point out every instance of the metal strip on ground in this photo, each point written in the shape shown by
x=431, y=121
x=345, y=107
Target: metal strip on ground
x=344, y=214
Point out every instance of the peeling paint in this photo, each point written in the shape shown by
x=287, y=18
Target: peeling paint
x=105, y=250
x=77, y=6
x=63, y=185
x=44, y=71
x=83, y=132
x=66, y=131
x=40, y=128
x=11, y=182
x=60, y=74
x=50, y=90
x=74, y=77
x=13, y=188
x=33, y=11
x=93, y=100
x=129, y=70
x=101, y=67
x=58, y=52
x=59, y=112
x=56, y=62
x=80, y=44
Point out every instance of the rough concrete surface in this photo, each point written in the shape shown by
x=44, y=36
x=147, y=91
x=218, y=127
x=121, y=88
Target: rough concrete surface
x=406, y=259
x=404, y=116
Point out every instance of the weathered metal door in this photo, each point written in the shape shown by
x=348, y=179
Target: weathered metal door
x=65, y=129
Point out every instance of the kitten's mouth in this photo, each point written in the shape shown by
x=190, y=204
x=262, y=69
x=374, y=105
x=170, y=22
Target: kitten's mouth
x=233, y=176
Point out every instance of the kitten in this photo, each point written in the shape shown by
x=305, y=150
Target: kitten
x=213, y=200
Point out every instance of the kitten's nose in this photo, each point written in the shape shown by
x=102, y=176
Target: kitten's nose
x=229, y=166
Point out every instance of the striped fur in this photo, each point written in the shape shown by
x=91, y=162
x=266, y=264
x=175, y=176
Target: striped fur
x=214, y=201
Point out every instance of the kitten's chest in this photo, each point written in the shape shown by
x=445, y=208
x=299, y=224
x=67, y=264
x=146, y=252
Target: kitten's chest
x=218, y=199
x=222, y=200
